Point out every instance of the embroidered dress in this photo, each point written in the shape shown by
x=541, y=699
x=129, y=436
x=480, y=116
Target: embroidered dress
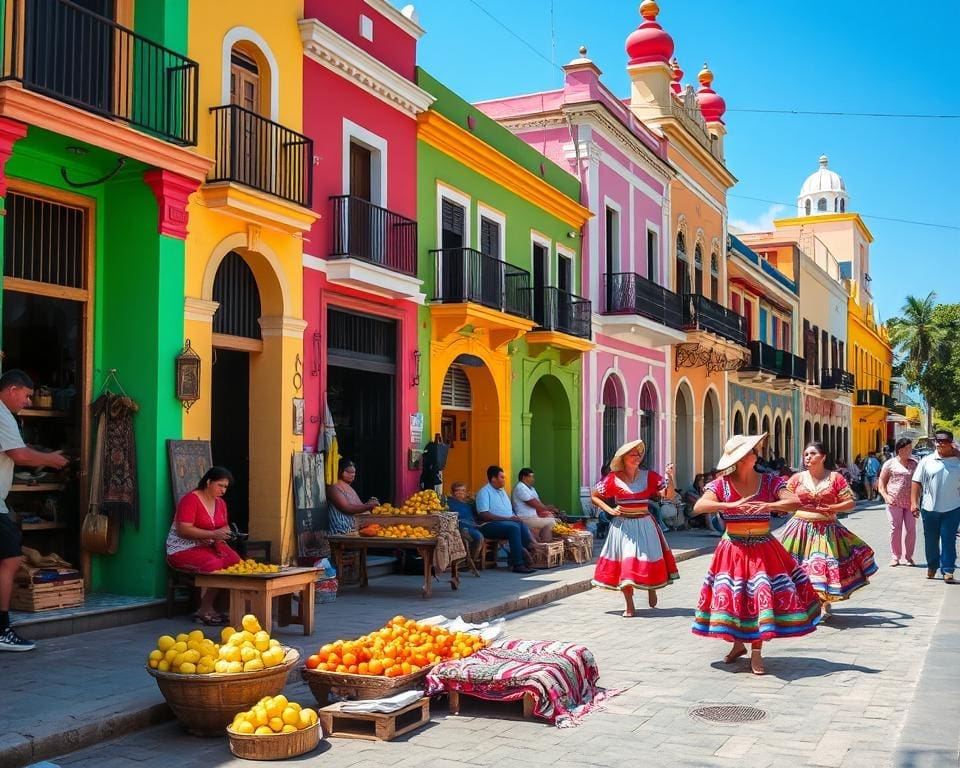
x=635, y=554
x=836, y=561
x=753, y=589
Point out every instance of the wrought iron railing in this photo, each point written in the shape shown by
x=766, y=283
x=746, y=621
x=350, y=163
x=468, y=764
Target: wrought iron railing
x=262, y=154
x=700, y=313
x=630, y=293
x=769, y=359
x=558, y=310
x=76, y=56
x=869, y=397
x=362, y=230
x=889, y=402
x=467, y=275
x=899, y=408
x=836, y=379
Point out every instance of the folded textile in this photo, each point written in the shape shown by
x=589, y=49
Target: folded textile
x=388, y=704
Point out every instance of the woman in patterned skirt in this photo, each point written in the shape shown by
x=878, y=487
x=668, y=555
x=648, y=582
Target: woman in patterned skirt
x=835, y=560
x=635, y=555
x=753, y=590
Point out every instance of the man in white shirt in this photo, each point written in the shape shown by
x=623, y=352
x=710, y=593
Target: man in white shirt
x=497, y=520
x=16, y=391
x=537, y=516
x=937, y=478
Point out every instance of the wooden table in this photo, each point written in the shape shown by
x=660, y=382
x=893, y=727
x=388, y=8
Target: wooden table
x=259, y=589
x=425, y=547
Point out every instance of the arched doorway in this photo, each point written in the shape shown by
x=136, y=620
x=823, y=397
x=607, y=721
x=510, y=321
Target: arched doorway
x=788, y=442
x=648, y=422
x=469, y=422
x=551, y=442
x=738, y=423
x=614, y=412
x=807, y=433
x=683, y=410
x=711, y=429
x=752, y=425
x=236, y=340
x=778, y=451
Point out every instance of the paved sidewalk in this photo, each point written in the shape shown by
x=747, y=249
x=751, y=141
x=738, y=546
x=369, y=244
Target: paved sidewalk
x=75, y=691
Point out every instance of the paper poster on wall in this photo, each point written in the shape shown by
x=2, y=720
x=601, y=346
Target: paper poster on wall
x=416, y=428
x=310, y=505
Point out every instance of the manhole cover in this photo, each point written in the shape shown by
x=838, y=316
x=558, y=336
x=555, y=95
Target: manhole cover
x=728, y=713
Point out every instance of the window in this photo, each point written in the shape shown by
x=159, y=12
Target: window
x=613, y=412
x=822, y=204
x=715, y=277
x=612, y=242
x=683, y=267
x=787, y=343
x=652, y=253
x=738, y=423
x=648, y=422
x=698, y=267
x=843, y=205
x=806, y=207
x=489, y=237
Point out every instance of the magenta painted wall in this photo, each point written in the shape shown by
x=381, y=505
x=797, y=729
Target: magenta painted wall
x=329, y=101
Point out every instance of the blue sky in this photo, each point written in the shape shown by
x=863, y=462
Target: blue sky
x=851, y=57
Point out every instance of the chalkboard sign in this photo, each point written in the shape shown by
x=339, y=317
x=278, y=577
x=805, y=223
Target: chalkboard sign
x=189, y=461
x=310, y=506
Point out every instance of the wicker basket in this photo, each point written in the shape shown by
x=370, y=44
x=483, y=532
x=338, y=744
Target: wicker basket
x=278, y=746
x=359, y=686
x=206, y=704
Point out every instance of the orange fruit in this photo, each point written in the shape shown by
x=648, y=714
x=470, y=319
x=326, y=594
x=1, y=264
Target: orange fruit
x=375, y=667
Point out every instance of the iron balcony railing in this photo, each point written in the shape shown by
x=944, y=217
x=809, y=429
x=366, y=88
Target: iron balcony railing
x=769, y=359
x=836, y=379
x=630, y=293
x=889, y=402
x=558, y=310
x=702, y=314
x=467, y=275
x=362, y=230
x=261, y=154
x=899, y=408
x=76, y=56
x=869, y=397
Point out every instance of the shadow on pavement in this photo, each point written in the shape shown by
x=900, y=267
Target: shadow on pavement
x=859, y=618
x=650, y=613
x=789, y=668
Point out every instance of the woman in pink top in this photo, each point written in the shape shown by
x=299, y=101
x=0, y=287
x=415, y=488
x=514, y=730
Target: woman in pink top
x=894, y=487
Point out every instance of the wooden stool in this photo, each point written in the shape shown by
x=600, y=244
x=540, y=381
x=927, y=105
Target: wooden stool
x=548, y=554
x=179, y=579
x=488, y=557
x=348, y=568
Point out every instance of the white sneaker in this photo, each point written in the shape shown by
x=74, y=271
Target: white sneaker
x=11, y=641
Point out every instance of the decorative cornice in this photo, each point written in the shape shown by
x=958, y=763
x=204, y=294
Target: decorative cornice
x=258, y=208
x=199, y=309
x=44, y=112
x=172, y=192
x=613, y=129
x=11, y=131
x=406, y=24
x=808, y=221
x=464, y=147
x=351, y=62
x=277, y=325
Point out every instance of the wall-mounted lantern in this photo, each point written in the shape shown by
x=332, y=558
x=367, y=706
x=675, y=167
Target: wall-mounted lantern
x=188, y=376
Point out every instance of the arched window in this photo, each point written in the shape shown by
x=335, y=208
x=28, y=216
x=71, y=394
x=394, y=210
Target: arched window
x=807, y=433
x=806, y=207
x=788, y=442
x=683, y=266
x=648, y=422
x=698, y=267
x=843, y=205
x=816, y=432
x=822, y=204
x=738, y=423
x=777, y=438
x=613, y=413
x=715, y=277
x=752, y=425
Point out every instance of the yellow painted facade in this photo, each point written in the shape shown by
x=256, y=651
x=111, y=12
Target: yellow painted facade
x=266, y=232
x=870, y=359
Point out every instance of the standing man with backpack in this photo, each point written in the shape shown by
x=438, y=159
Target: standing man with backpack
x=871, y=472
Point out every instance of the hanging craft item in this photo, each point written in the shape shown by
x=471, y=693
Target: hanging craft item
x=188, y=376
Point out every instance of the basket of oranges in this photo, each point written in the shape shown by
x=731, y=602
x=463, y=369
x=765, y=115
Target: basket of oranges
x=392, y=659
x=274, y=729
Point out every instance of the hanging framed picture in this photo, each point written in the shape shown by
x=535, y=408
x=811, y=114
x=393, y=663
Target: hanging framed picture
x=298, y=415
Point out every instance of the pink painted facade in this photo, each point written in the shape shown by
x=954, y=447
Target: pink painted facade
x=625, y=175
x=341, y=109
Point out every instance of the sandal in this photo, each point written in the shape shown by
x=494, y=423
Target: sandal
x=211, y=619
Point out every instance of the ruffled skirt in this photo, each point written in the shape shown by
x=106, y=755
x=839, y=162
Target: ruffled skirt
x=836, y=561
x=755, y=591
x=635, y=554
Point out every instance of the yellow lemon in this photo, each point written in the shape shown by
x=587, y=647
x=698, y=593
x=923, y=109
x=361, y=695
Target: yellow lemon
x=234, y=666
x=204, y=669
x=245, y=727
x=188, y=668
x=273, y=708
x=226, y=633
x=290, y=716
x=259, y=715
x=303, y=719
x=193, y=656
x=165, y=642
x=263, y=730
x=311, y=713
x=221, y=666
x=274, y=643
x=196, y=635
x=155, y=655
x=180, y=646
x=154, y=663
x=163, y=666
x=234, y=654
x=276, y=724
x=294, y=705
x=251, y=623
x=254, y=665
x=261, y=640
x=288, y=729
x=248, y=654
x=236, y=639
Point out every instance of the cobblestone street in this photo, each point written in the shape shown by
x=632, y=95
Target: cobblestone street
x=839, y=697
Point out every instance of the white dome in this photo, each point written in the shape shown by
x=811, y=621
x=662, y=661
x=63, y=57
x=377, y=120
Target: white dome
x=822, y=192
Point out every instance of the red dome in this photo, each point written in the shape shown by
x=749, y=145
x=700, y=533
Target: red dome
x=712, y=106
x=675, y=86
x=648, y=42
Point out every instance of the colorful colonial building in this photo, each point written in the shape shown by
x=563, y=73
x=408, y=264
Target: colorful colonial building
x=96, y=163
x=505, y=326
x=361, y=290
x=625, y=174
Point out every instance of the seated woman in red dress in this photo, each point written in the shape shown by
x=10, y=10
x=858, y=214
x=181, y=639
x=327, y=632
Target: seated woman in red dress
x=198, y=536
x=753, y=590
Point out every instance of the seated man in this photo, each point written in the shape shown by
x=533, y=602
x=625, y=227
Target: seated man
x=537, y=516
x=466, y=518
x=497, y=520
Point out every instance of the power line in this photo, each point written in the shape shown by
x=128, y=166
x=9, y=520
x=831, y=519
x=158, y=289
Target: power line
x=864, y=215
x=514, y=34
x=844, y=114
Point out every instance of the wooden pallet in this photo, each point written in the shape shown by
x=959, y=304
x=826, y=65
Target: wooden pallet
x=374, y=726
x=46, y=597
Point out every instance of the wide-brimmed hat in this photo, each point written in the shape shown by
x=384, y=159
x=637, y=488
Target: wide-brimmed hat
x=616, y=463
x=736, y=448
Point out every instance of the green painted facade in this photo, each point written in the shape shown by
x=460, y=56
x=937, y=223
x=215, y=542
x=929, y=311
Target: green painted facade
x=545, y=392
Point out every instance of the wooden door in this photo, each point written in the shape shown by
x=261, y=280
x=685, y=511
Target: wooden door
x=248, y=153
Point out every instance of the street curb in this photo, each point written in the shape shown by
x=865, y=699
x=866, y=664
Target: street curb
x=32, y=749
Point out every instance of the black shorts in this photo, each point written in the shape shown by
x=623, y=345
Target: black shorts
x=10, y=538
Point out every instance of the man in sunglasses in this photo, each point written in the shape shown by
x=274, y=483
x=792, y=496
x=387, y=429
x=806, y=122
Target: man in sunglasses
x=935, y=498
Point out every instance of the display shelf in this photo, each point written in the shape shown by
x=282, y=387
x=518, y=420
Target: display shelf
x=44, y=412
x=37, y=488
x=45, y=526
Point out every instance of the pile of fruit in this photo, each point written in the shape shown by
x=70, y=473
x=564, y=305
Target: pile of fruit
x=403, y=532
x=421, y=503
x=273, y=714
x=248, y=650
x=562, y=529
x=250, y=566
x=401, y=647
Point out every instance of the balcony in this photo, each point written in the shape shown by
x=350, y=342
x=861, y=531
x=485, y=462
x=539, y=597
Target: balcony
x=836, y=379
x=261, y=154
x=637, y=310
x=771, y=365
x=899, y=408
x=889, y=402
x=78, y=57
x=870, y=397
x=702, y=314
x=473, y=288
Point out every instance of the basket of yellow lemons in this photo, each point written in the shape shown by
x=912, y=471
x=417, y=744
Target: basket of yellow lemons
x=206, y=683
x=274, y=729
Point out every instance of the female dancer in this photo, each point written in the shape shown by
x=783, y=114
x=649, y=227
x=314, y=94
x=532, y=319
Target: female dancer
x=753, y=590
x=635, y=554
x=836, y=561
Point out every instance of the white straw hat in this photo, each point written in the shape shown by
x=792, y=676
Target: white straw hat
x=616, y=463
x=736, y=448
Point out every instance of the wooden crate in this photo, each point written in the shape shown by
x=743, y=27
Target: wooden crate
x=579, y=547
x=46, y=597
x=374, y=726
x=549, y=554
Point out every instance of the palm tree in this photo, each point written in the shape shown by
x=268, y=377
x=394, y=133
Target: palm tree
x=915, y=337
